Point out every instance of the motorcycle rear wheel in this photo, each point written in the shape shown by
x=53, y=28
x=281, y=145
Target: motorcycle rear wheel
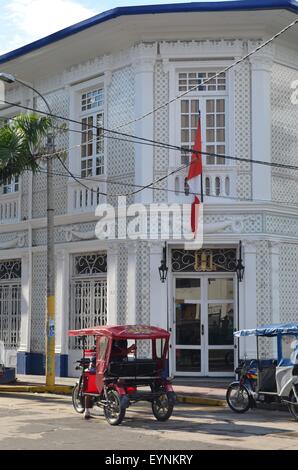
x=293, y=409
x=77, y=398
x=238, y=398
x=114, y=411
x=162, y=408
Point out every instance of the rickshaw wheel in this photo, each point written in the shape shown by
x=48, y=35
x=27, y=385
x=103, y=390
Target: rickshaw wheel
x=241, y=402
x=162, y=408
x=77, y=400
x=293, y=409
x=114, y=411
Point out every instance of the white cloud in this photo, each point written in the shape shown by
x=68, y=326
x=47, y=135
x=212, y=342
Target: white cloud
x=27, y=20
x=23, y=21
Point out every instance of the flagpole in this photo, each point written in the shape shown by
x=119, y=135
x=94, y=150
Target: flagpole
x=201, y=156
x=202, y=191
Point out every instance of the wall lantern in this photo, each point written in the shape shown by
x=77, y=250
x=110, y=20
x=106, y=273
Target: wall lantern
x=239, y=266
x=163, y=269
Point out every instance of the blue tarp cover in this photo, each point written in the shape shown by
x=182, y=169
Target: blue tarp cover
x=271, y=330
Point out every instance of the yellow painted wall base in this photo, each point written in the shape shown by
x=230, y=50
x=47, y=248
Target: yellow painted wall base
x=57, y=389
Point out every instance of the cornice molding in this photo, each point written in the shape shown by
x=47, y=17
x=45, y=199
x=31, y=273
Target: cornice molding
x=234, y=208
x=201, y=48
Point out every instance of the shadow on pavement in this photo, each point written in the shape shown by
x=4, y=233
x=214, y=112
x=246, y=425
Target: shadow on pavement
x=219, y=422
x=38, y=397
x=220, y=425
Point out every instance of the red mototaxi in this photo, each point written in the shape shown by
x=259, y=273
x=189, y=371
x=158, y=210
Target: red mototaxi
x=114, y=383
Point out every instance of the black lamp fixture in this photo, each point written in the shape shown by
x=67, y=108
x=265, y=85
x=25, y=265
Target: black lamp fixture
x=163, y=269
x=239, y=266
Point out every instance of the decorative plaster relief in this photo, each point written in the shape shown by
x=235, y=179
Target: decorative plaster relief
x=72, y=233
x=17, y=242
x=249, y=224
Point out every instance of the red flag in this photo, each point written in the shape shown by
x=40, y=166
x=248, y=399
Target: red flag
x=194, y=176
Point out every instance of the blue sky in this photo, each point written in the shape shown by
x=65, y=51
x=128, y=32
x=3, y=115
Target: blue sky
x=23, y=21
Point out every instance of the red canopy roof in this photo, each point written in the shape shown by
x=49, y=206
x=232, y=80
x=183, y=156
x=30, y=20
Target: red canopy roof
x=123, y=332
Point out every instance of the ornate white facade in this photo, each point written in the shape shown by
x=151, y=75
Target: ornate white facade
x=244, y=202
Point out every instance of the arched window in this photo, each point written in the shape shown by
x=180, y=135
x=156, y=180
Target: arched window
x=227, y=186
x=186, y=187
x=207, y=186
x=177, y=186
x=217, y=186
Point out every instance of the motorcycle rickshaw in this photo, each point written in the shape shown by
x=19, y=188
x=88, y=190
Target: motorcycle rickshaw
x=124, y=359
x=268, y=380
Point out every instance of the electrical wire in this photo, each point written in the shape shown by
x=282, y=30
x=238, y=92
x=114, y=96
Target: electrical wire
x=153, y=142
x=111, y=181
x=224, y=70
x=166, y=146
x=169, y=146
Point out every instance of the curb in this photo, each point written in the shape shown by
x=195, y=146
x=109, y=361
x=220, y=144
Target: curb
x=67, y=389
x=200, y=400
x=57, y=389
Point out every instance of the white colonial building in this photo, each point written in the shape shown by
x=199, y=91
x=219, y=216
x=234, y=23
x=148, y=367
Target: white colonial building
x=113, y=69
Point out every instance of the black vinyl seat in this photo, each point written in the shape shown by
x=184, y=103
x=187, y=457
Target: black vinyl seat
x=267, y=378
x=133, y=368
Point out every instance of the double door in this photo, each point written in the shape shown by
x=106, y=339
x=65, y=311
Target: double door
x=203, y=325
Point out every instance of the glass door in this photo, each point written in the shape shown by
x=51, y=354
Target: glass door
x=220, y=323
x=203, y=325
x=188, y=327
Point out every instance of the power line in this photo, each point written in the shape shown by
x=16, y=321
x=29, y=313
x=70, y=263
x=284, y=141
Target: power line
x=77, y=179
x=132, y=193
x=224, y=70
x=111, y=181
x=159, y=144
x=164, y=145
x=170, y=146
x=152, y=142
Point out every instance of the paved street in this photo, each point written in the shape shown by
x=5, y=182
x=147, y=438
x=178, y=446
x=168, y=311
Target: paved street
x=31, y=421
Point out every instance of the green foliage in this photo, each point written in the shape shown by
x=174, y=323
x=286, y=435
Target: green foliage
x=22, y=141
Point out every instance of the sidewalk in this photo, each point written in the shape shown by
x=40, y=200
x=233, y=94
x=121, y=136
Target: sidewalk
x=202, y=391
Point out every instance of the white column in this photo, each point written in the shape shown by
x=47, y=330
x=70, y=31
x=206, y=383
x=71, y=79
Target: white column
x=274, y=248
x=131, y=283
x=25, y=332
x=248, y=292
x=112, y=283
x=261, y=66
x=62, y=302
x=144, y=102
x=158, y=290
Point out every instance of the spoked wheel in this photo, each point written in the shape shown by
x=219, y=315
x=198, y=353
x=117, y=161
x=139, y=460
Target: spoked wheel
x=114, y=410
x=293, y=409
x=238, y=398
x=77, y=398
x=162, y=408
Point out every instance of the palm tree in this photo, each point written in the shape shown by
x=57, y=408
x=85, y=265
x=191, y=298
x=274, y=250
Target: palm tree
x=22, y=141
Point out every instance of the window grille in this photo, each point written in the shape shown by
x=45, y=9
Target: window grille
x=92, y=99
x=10, y=303
x=189, y=80
x=88, y=294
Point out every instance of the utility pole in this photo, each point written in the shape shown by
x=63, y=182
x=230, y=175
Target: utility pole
x=50, y=327
x=50, y=321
